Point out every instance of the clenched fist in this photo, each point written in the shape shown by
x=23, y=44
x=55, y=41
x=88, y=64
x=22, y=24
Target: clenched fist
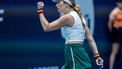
x=40, y=5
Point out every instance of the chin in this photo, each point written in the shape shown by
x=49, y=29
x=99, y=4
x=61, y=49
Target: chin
x=59, y=10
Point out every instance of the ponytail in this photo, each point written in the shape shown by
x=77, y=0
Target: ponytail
x=77, y=9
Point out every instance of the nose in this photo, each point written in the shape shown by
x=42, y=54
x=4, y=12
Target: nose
x=57, y=5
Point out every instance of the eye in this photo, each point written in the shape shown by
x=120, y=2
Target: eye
x=58, y=2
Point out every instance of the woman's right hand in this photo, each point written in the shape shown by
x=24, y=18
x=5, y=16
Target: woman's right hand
x=40, y=5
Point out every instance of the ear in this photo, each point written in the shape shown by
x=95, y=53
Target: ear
x=67, y=5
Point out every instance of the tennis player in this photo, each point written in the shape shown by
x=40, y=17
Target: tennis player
x=74, y=29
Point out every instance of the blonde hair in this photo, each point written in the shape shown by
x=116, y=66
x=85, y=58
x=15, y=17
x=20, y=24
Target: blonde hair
x=77, y=8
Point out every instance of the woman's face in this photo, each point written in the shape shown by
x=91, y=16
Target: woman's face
x=60, y=6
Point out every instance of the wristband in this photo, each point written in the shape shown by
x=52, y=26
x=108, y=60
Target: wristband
x=40, y=11
x=97, y=56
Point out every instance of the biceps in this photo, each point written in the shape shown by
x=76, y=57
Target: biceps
x=56, y=25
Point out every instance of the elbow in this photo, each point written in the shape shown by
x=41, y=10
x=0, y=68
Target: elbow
x=46, y=30
x=90, y=38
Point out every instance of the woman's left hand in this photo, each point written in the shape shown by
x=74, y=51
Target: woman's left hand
x=99, y=61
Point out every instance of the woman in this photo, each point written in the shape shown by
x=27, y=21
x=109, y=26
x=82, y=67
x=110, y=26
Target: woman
x=73, y=29
x=115, y=28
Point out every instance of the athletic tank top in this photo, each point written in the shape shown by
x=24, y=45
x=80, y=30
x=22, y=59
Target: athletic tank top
x=118, y=20
x=74, y=33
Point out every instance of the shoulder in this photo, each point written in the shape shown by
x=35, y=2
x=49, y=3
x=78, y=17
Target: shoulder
x=113, y=13
x=66, y=17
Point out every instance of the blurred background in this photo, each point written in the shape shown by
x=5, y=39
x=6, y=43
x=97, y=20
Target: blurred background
x=24, y=44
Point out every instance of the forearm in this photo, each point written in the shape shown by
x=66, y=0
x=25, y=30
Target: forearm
x=91, y=42
x=44, y=22
x=42, y=18
x=93, y=45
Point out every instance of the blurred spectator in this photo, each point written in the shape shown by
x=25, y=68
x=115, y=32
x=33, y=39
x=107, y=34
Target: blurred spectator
x=115, y=27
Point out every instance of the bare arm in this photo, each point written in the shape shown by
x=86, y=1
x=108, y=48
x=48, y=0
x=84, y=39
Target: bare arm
x=64, y=20
x=90, y=38
x=50, y=26
x=112, y=18
x=99, y=60
x=110, y=25
x=91, y=41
